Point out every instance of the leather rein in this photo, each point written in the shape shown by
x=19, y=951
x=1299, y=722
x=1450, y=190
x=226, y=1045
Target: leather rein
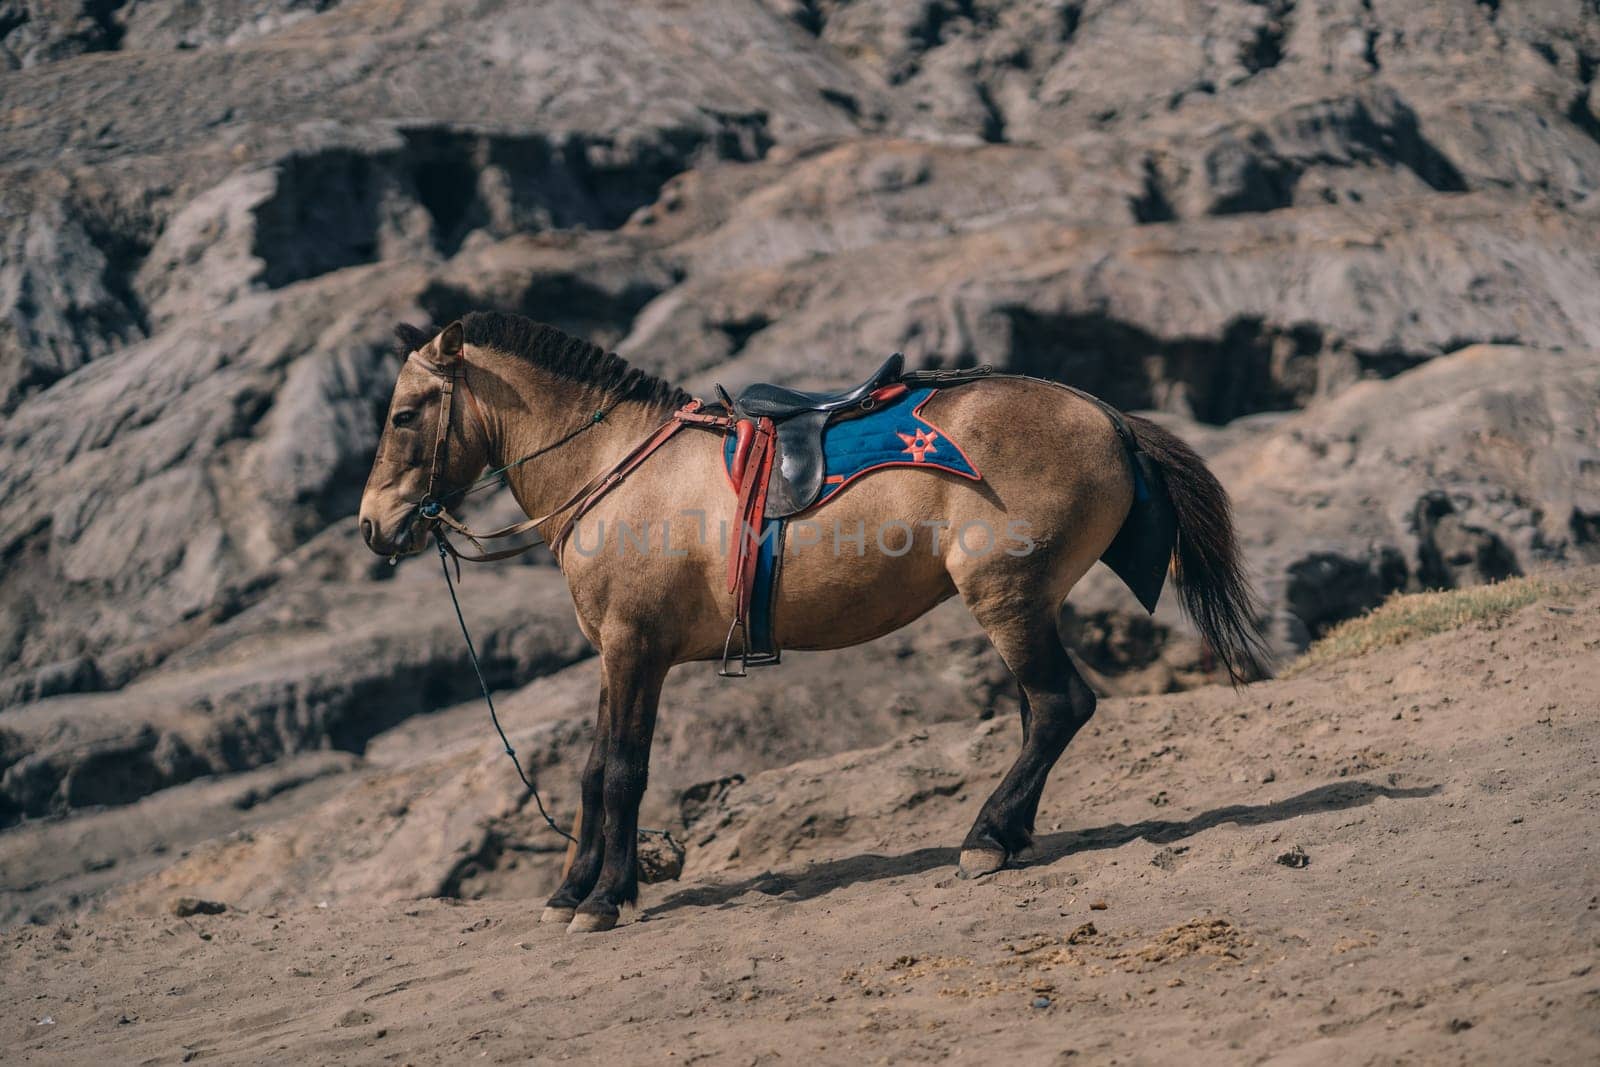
x=431, y=509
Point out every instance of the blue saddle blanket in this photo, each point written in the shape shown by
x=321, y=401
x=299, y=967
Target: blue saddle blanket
x=895, y=435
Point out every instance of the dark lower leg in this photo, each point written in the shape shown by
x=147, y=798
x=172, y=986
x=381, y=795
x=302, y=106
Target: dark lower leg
x=1027, y=729
x=627, y=774
x=636, y=689
x=584, y=870
x=1059, y=704
x=572, y=845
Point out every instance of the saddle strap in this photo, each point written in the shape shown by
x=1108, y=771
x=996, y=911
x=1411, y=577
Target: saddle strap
x=952, y=376
x=748, y=513
x=743, y=434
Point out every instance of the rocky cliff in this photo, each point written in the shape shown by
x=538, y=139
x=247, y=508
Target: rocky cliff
x=1349, y=247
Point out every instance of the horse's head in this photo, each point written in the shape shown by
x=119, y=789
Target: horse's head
x=417, y=461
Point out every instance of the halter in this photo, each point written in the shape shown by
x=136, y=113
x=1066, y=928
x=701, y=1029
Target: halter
x=431, y=508
x=441, y=437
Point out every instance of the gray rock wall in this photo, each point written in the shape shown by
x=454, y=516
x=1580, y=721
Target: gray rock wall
x=211, y=214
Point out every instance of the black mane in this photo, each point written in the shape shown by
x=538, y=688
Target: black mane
x=559, y=353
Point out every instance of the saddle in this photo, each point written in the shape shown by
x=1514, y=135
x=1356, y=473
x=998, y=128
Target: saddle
x=793, y=421
x=777, y=470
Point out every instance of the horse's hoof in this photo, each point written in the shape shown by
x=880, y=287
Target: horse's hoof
x=587, y=923
x=557, y=915
x=977, y=862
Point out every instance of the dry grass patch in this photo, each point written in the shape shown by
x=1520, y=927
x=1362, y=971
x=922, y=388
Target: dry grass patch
x=1406, y=617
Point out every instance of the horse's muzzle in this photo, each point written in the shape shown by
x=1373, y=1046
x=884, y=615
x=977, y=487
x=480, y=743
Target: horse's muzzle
x=405, y=535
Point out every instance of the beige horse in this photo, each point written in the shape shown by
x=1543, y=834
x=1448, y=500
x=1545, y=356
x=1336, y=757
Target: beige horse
x=1050, y=459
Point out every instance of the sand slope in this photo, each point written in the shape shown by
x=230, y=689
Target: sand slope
x=1445, y=794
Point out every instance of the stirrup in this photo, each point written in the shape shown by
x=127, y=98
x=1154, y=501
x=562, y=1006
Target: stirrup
x=743, y=627
x=763, y=659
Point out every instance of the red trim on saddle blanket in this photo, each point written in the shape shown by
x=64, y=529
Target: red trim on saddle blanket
x=835, y=483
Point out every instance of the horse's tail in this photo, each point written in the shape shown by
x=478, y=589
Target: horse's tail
x=1206, y=563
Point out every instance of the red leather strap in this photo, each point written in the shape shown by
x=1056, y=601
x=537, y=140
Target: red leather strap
x=747, y=514
x=590, y=494
x=743, y=434
x=885, y=393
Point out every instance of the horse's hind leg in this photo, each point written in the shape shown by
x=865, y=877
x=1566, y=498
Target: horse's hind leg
x=1056, y=704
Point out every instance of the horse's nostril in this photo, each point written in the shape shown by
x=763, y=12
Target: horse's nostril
x=366, y=530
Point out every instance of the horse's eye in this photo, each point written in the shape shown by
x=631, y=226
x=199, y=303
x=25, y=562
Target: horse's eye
x=404, y=417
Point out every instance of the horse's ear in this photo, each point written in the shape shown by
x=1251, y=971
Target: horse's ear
x=451, y=341
x=409, y=337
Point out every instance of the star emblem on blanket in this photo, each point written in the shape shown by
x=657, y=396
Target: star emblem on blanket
x=919, y=444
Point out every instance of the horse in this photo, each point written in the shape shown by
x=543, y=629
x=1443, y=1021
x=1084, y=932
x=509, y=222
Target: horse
x=556, y=416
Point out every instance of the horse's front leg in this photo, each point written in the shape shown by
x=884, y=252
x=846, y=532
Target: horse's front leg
x=633, y=681
x=582, y=868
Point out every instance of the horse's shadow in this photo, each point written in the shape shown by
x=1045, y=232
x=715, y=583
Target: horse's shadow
x=821, y=878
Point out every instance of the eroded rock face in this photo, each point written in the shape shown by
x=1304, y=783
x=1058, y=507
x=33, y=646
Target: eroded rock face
x=210, y=216
x=1470, y=469
x=320, y=665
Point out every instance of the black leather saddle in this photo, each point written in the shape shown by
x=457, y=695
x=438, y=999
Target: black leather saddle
x=777, y=402
x=799, y=418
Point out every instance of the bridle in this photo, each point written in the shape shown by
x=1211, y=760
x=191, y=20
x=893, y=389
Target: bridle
x=431, y=509
x=431, y=505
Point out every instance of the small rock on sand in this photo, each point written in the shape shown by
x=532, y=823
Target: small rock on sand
x=660, y=858
x=1295, y=857
x=183, y=907
x=1082, y=934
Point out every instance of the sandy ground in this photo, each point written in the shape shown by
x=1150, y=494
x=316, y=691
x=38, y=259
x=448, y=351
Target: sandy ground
x=1390, y=860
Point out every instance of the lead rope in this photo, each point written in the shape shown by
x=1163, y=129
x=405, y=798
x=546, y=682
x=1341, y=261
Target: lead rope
x=472, y=653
